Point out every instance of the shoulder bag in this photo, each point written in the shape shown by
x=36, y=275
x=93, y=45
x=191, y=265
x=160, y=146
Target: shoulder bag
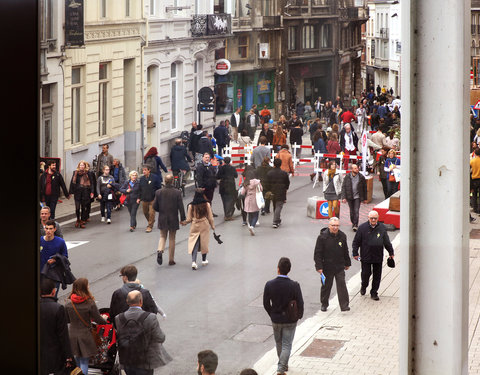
x=93, y=330
x=259, y=198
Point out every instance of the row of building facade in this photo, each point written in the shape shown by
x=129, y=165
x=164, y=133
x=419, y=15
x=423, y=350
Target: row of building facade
x=127, y=72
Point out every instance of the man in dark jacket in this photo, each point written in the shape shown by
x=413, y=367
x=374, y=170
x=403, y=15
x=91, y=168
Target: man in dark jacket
x=204, y=145
x=371, y=238
x=354, y=191
x=50, y=183
x=332, y=260
x=55, y=350
x=221, y=136
x=206, y=175
x=149, y=184
x=277, y=295
x=118, y=303
x=278, y=183
x=195, y=136
x=179, y=157
x=168, y=203
x=226, y=176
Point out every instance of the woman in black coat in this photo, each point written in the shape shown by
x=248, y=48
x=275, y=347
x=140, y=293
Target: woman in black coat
x=82, y=186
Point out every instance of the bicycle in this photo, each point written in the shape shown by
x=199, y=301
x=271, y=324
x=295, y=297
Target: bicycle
x=179, y=180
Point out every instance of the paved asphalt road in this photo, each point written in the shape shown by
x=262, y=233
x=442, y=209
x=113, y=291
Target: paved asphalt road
x=217, y=307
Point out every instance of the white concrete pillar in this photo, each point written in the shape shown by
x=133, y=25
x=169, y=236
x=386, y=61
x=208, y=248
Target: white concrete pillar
x=434, y=187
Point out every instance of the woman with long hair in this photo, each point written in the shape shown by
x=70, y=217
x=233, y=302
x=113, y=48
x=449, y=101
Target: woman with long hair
x=279, y=138
x=332, y=189
x=391, y=163
x=81, y=311
x=82, y=186
x=131, y=188
x=199, y=213
x=152, y=159
x=249, y=190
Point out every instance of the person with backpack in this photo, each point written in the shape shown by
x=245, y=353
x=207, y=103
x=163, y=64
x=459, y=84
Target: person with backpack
x=283, y=301
x=155, y=162
x=140, y=338
x=331, y=261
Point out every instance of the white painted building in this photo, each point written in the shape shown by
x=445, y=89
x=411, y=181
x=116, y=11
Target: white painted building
x=383, y=46
x=176, y=65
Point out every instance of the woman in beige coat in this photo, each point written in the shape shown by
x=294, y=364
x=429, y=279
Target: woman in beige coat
x=200, y=215
x=81, y=311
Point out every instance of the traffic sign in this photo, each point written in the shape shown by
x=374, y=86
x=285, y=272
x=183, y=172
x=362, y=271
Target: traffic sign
x=205, y=107
x=477, y=105
x=206, y=95
x=323, y=209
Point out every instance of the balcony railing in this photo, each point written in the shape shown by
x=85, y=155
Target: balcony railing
x=381, y=62
x=271, y=21
x=384, y=33
x=211, y=24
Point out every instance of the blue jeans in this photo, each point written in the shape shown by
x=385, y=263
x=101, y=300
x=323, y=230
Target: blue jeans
x=252, y=218
x=283, y=334
x=104, y=203
x=132, y=210
x=82, y=362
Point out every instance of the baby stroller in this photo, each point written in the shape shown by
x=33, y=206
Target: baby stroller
x=105, y=361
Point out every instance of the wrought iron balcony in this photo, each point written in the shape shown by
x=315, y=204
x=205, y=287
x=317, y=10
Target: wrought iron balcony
x=384, y=33
x=211, y=25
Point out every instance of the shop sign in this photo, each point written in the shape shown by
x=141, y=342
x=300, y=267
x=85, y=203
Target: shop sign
x=222, y=67
x=264, y=51
x=264, y=86
x=74, y=33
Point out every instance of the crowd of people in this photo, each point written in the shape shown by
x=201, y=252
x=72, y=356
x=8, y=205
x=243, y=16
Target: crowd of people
x=264, y=183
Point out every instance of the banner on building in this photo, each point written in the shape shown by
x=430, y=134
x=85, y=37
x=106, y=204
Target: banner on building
x=264, y=86
x=219, y=24
x=199, y=24
x=74, y=30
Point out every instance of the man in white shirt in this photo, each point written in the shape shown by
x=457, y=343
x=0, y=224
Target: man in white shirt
x=235, y=123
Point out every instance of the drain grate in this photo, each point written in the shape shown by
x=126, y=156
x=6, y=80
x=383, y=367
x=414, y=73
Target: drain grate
x=321, y=348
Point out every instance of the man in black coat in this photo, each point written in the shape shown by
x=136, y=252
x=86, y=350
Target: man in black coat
x=277, y=295
x=149, y=184
x=204, y=145
x=55, y=350
x=278, y=183
x=354, y=191
x=168, y=203
x=226, y=176
x=118, y=303
x=221, y=137
x=206, y=175
x=50, y=183
x=371, y=238
x=332, y=260
x=179, y=157
x=195, y=136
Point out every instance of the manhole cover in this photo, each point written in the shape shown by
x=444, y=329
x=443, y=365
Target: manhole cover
x=254, y=333
x=475, y=234
x=321, y=348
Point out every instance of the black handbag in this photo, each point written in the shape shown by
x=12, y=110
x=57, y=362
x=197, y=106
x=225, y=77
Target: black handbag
x=391, y=262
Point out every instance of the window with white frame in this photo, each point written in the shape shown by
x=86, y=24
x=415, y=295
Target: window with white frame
x=103, y=86
x=76, y=105
x=175, y=94
x=292, y=38
x=103, y=8
x=152, y=7
x=308, y=38
x=325, y=37
x=48, y=20
x=127, y=8
x=197, y=82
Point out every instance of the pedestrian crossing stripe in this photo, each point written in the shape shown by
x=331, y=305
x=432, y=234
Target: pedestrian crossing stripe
x=72, y=244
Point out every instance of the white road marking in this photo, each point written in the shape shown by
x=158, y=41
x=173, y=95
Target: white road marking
x=72, y=244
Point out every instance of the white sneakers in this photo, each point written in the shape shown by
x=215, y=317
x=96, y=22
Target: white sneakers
x=252, y=231
x=109, y=221
x=103, y=219
x=194, y=266
x=204, y=262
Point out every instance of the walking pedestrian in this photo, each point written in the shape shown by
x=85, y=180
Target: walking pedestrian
x=119, y=177
x=82, y=310
x=131, y=189
x=228, y=192
x=260, y=152
x=354, y=191
x=50, y=244
x=261, y=173
x=206, y=174
x=207, y=362
x=50, y=183
x=118, y=302
x=168, y=203
x=475, y=180
x=199, y=214
x=221, y=137
x=277, y=295
x=103, y=159
x=44, y=217
x=332, y=189
x=82, y=187
x=55, y=351
x=279, y=138
x=267, y=133
x=106, y=190
x=236, y=121
x=287, y=161
x=278, y=183
x=332, y=260
x=379, y=166
x=156, y=164
x=140, y=338
x=371, y=238
x=249, y=189
x=149, y=184
x=391, y=163
x=348, y=141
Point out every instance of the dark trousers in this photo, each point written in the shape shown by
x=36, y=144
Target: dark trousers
x=367, y=269
x=384, y=186
x=475, y=192
x=354, y=205
x=137, y=371
x=266, y=209
x=51, y=202
x=228, y=201
x=392, y=187
x=209, y=194
x=342, y=292
x=81, y=210
x=132, y=210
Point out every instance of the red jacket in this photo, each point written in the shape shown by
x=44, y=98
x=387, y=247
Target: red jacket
x=347, y=117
